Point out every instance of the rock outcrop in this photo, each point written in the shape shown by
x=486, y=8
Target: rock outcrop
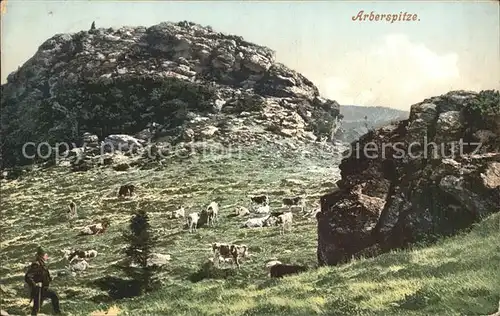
x=431, y=175
x=174, y=81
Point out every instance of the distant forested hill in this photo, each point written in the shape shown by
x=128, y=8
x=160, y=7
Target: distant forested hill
x=359, y=119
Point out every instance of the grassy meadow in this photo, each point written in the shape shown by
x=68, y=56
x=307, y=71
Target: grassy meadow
x=457, y=276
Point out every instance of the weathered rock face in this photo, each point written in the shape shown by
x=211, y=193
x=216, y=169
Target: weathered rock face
x=178, y=76
x=395, y=190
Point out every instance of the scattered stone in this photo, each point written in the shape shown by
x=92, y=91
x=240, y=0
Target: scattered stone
x=292, y=182
x=209, y=131
x=4, y=313
x=155, y=259
x=90, y=140
x=121, y=143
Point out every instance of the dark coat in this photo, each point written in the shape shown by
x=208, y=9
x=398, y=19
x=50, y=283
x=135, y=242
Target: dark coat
x=38, y=273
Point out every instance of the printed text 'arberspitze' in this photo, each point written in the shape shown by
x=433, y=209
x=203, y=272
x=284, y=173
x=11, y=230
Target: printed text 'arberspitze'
x=401, y=17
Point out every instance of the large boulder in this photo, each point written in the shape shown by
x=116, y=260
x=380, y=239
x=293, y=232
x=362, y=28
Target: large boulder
x=416, y=179
x=122, y=142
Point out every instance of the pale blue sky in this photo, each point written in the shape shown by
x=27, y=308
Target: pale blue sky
x=455, y=45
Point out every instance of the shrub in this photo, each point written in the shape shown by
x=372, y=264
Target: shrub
x=484, y=109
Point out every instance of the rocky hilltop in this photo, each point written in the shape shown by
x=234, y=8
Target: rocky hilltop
x=187, y=81
x=433, y=174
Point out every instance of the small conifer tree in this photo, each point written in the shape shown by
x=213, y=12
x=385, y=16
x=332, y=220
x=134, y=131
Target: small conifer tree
x=141, y=243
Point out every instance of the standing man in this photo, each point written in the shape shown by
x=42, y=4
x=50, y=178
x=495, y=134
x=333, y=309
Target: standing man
x=38, y=279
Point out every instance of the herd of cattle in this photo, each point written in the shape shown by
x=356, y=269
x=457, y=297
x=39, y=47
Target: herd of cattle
x=223, y=252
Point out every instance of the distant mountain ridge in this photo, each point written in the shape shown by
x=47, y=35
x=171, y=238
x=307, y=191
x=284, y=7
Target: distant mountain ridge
x=374, y=113
x=358, y=120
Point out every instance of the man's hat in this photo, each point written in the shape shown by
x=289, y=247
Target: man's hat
x=40, y=252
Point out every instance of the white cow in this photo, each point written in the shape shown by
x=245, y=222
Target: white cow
x=193, y=219
x=80, y=265
x=263, y=209
x=180, y=213
x=241, y=211
x=212, y=213
x=255, y=222
x=285, y=220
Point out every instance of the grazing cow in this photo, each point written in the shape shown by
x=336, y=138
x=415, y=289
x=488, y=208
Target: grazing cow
x=263, y=209
x=285, y=220
x=222, y=259
x=255, y=222
x=280, y=270
x=233, y=251
x=241, y=211
x=72, y=211
x=260, y=199
x=295, y=201
x=127, y=189
x=193, y=219
x=80, y=265
x=271, y=221
x=212, y=213
x=82, y=254
x=67, y=253
x=179, y=213
x=95, y=229
x=277, y=213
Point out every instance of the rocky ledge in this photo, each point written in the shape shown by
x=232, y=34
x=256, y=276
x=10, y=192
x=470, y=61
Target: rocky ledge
x=188, y=81
x=396, y=190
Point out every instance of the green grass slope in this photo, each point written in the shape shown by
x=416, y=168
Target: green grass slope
x=458, y=276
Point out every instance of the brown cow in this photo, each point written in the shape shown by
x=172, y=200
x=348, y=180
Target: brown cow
x=82, y=254
x=95, y=229
x=229, y=251
x=127, y=189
